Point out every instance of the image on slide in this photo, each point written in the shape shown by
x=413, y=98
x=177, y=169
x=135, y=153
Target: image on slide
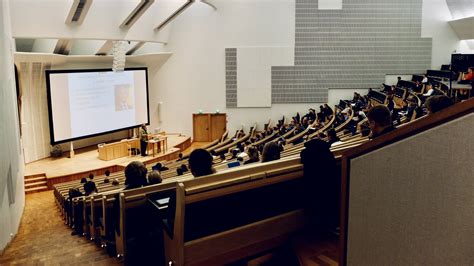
x=123, y=97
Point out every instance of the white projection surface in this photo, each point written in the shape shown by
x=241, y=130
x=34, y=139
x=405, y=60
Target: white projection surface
x=91, y=103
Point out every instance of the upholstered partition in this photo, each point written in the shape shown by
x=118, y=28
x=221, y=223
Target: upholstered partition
x=412, y=202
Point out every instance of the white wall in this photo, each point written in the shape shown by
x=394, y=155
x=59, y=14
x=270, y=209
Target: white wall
x=194, y=77
x=10, y=155
x=434, y=24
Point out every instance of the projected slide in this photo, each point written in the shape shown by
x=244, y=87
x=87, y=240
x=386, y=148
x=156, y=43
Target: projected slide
x=86, y=103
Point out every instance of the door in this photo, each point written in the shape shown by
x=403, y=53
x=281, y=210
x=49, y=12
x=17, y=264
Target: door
x=218, y=125
x=201, y=124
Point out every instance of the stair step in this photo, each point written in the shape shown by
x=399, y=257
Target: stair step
x=35, y=175
x=34, y=184
x=36, y=189
x=32, y=179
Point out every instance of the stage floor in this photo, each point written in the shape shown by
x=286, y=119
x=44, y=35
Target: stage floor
x=86, y=159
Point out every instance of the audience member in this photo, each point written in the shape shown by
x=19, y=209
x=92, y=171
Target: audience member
x=107, y=174
x=179, y=171
x=429, y=91
x=322, y=186
x=90, y=188
x=425, y=79
x=115, y=182
x=223, y=159
x=332, y=136
x=437, y=103
x=83, y=180
x=253, y=155
x=135, y=175
x=154, y=178
x=180, y=157
x=380, y=121
x=271, y=152
x=184, y=168
x=200, y=163
x=91, y=176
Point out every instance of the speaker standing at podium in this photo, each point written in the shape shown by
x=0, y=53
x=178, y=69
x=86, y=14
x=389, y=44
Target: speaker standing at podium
x=143, y=139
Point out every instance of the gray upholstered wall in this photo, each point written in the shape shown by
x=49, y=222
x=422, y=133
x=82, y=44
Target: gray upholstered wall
x=412, y=203
x=350, y=48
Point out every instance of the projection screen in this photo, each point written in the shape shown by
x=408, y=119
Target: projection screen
x=86, y=103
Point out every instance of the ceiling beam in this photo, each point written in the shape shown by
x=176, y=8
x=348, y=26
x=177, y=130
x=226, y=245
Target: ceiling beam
x=135, y=48
x=78, y=11
x=63, y=46
x=105, y=48
x=174, y=15
x=136, y=13
x=463, y=28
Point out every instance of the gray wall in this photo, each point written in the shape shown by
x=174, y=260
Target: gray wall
x=350, y=48
x=12, y=195
x=412, y=202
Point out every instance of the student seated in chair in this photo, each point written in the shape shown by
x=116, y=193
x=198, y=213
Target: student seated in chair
x=200, y=163
x=90, y=188
x=271, y=152
x=380, y=121
x=154, y=178
x=437, y=103
x=253, y=155
x=135, y=175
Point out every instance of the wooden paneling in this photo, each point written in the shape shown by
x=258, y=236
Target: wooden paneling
x=201, y=127
x=218, y=125
x=208, y=127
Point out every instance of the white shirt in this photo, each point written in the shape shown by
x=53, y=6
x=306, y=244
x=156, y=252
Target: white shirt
x=429, y=92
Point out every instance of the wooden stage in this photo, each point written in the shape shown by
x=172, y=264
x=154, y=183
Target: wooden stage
x=86, y=161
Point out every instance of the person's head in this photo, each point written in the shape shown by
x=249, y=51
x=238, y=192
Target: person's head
x=89, y=188
x=234, y=153
x=437, y=103
x=399, y=78
x=200, y=162
x=154, y=178
x=184, y=168
x=180, y=155
x=332, y=135
x=135, y=175
x=222, y=156
x=107, y=173
x=91, y=176
x=271, y=152
x=379, y=118
x=83, y=180
x=253, y=153
x=470, y=70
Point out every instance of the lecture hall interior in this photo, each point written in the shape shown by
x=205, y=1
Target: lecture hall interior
x=237, y=132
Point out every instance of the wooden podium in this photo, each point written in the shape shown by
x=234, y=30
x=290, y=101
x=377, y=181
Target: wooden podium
x=118, y=149
x=208, y=127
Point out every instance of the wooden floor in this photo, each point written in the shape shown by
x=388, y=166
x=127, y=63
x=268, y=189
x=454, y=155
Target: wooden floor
x=43, y=239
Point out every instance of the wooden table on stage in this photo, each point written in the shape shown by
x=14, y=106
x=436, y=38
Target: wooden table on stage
x=118, y=149
x=157, y=143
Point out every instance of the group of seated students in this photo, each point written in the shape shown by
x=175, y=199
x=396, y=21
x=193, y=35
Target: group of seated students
x=267, y=145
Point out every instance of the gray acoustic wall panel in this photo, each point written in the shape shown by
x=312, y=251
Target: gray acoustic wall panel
x=353, y=47
x=231, y=77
